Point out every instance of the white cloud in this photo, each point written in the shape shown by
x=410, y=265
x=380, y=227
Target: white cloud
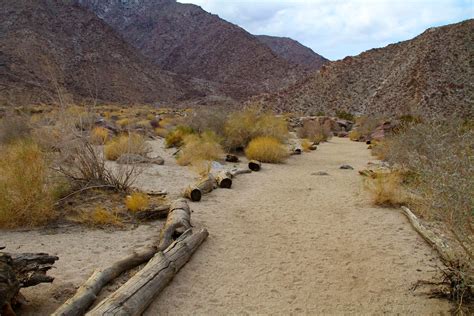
x=337, y=28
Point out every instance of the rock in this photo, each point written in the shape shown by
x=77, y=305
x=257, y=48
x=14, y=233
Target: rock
x=138, y=159
x=346, y=167
x=320, y=173
x=342, y=134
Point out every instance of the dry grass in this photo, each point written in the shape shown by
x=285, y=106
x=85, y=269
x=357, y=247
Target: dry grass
x=26, y=194
x=175, y=138
x=126, y=144
x=251, y=123
x=99, y=135
x=13, y=128
x=306, y=145
x=266, y=149
x=161, y=132
x=100, y=217
x=364, y=126
x=208, y=119
x=137, y=202
x=315, y=131
x=123, y=123
x=200, y=147
x=201, y=167
x=386, y=189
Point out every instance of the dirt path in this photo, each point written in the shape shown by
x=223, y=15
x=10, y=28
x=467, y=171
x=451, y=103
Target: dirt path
x=284, y=241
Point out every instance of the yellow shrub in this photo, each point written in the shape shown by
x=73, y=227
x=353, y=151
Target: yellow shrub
x=25, y=197
x=150, y=116
x=176, y=137
x=242, y=127
x=123, y=122
x=101, y=217
x=306, y=145
x=137, y=202
x=99, y=135
x=161, y=132
x=266, y=149
x=143, y=123
x=386, y=189
x=197, y=148
x=354, y=135
x=132, y=144
x=201, y=167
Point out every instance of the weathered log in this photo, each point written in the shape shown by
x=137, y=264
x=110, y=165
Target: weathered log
x=445, y=252
x=296, y=151
x=224, y=179
x=9, y=284
x=178, y=221
x=204, y=186
x=313, y=147
x=235, y=172
x=87, y=293
x=255, y=165
x=134, y=297
x=153, y=212
x=231, y=158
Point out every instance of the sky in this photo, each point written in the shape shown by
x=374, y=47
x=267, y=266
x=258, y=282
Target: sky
x=339, y=28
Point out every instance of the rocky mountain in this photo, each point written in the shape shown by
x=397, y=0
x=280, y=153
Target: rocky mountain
x=51, y=50
x=185, y=39
x=293, y=51
x=432, y=73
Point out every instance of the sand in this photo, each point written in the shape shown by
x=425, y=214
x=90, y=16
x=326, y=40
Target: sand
x=282, y=241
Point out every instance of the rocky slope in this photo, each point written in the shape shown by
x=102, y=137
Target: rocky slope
x=293, y=51
x=51, y=50
x=432, y=73
x=185, y=39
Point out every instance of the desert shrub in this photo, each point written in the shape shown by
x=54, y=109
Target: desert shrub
x=345, y=115
x=242, y=127
x=176, y=137
x=200, y=147
x=201, y=167
x=137, y=201
x=26, y=194
x=266, y=149
x=84, y=165
x=161, y=132
x=386, y=189
x=100, y=217
x=364, y=126
x=13, y=128
x=99, y=135
x=123, y=123
x=315, y=131
x=208, y=119
x=306, y=145
x=440, y=154
x=126, y=144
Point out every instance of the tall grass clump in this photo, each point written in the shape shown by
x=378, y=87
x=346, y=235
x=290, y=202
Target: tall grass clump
x=242, y=127
x=13, y=128
x=387, y=189
x=26, y=194
x=175, y=138
x=266, y=149
x=126, y=144
x=200, y=147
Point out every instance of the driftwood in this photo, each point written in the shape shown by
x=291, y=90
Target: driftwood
x=235, y=172
x=19, y=271
x=178, y=221
x=204, y=186
x=296, y=151
x=87, y=293
x=255, y=165
x=153, y=212
x=445, y=252
x=224, y=179
x=135, y=296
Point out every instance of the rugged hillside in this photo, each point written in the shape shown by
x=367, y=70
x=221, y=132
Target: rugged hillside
x=47, y=47
x=432, y=73
x=293, y=51
x=185, y=39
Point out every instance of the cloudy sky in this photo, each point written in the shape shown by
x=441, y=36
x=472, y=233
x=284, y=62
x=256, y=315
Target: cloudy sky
x=338, y=28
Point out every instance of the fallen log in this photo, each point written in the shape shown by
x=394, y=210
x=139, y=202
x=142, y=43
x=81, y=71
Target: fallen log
x=204, y=186
x=87, y=293
x=153, y=212
x=136, y=294
x=224, y=179
x=296, y=151
x=445, y=252
x=255, y=165
x=178, y=221
x=235, y=172
x=19, y=271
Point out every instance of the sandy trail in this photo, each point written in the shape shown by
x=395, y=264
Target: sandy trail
x=284, y=241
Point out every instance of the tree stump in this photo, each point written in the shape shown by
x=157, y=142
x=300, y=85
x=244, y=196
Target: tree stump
x=255, y=165
x=204, y=186
x=224, y=179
